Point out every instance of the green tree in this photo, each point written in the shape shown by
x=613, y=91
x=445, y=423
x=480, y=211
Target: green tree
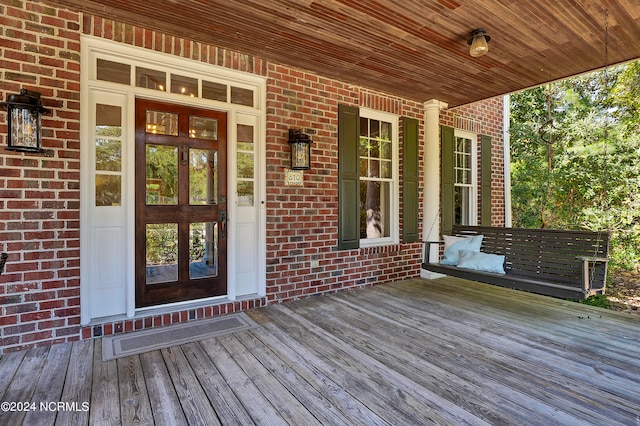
x=575, y=157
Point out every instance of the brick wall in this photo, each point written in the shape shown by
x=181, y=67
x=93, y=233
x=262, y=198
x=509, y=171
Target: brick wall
x=487, y=120
x=302, y=221
x=39, y=194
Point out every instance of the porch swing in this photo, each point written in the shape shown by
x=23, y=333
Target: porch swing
x=560, y=263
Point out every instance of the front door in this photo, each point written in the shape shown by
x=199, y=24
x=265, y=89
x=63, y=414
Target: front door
x=181, y=249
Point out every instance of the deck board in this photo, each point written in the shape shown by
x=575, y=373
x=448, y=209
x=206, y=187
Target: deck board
x=223, y=400
x=77, y=385
x=194, y=401
x=284, y=371
x=135, y=407
x=256, y=404
x=447, y=351
x=23, y=386
x=165, y=405
x=503, y=371
x=49, y=385
x=105, y=409
x=319, y=375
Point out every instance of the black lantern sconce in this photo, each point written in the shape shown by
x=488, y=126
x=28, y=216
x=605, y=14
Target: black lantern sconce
x=300, y=150
x=23, y=121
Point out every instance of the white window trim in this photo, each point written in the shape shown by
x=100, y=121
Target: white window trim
x=394, y=229
x=473, y=203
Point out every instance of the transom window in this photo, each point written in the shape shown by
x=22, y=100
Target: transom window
x=378, y=177
x=156, y=79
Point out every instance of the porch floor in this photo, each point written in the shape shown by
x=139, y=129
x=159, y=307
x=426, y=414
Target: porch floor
x=447, y=351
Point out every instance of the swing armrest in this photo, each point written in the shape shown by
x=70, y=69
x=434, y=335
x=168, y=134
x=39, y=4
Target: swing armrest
x=427, y=249
x=586, y=263
x=592, y=259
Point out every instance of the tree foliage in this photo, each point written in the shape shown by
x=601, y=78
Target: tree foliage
x=575, y=149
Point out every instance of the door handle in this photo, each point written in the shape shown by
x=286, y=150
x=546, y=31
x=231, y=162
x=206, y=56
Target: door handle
x=223, y=224
x=185, y=155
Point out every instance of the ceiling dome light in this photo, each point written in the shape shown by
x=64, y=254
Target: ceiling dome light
x=479, y=42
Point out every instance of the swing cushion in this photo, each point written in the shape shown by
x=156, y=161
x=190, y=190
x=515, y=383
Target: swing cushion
x=479, y=261
x=452, y=252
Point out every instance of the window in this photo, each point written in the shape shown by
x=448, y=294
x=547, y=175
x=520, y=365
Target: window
x=378, y=205
x=108, y=155
x=465, y=179
x=368, y=178
x=155, y=79
x=460, y=179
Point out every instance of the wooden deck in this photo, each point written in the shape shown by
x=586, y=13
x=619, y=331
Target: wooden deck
x=415, y=352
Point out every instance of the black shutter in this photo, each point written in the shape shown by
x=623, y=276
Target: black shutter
x=410, y=134
x=348, y=178
x=447, y=181
x=485, y=191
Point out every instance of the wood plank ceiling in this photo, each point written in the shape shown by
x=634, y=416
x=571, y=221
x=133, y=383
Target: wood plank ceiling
x=411, y=48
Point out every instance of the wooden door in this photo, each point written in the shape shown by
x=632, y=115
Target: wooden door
x=181, y=248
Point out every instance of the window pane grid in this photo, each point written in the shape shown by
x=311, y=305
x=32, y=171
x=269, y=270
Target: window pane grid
x=464, y=180
x=108, y=155
x=462, y=166
x=376, y=178
x=245, y=165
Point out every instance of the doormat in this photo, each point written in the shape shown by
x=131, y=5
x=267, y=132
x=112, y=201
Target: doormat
x=138, y=342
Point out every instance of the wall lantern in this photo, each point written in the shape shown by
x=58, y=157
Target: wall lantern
x=300, y=150
x=479, y=42
x=23, y=117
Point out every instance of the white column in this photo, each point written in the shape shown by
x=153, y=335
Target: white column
x=506, y=115
x=431, y=183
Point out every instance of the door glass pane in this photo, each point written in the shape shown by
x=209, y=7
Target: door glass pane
x=184, y=85
x=108, y=155
x=245, y=165
x=214, y=91
x=203, y=250
x=203, y=128
x=161, y=252
x=162, y=123
x=108, y=190
x=108, y=120
x=203, y=176
x=161, y=175
x=151, y=79
x=245, y=137
x=113, y=71
x=245, y=193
